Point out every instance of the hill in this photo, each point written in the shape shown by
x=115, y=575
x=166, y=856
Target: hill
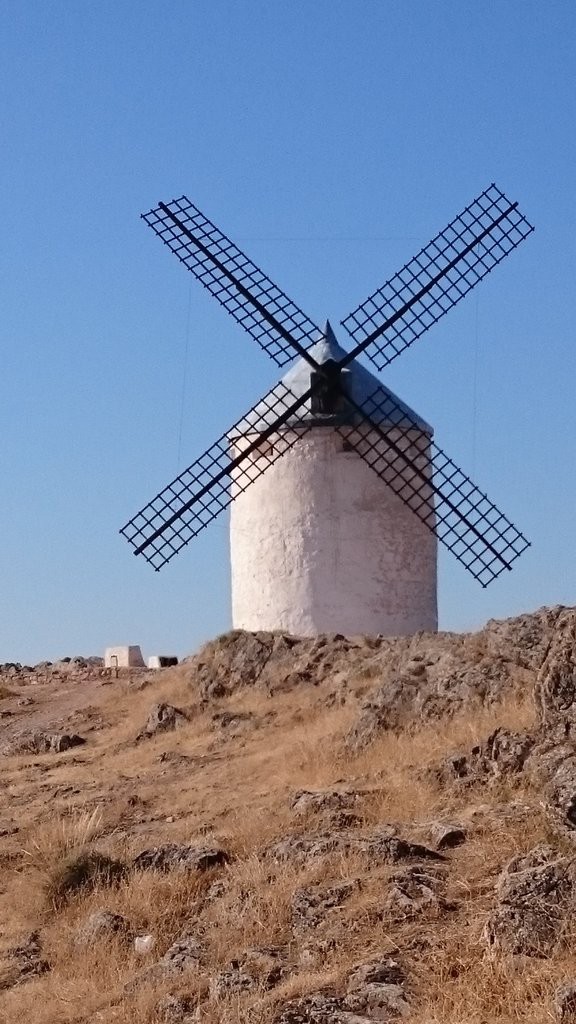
x=282, y=831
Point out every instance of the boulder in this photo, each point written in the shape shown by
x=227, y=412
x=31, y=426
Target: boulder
x=162, y=718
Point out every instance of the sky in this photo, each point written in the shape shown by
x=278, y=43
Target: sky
x=330, y=139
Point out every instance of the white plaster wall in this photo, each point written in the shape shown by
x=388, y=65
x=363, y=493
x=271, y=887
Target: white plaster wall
x=319, y=543
x=123, y=657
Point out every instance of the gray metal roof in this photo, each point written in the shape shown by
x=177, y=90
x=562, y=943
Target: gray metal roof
x=360, y=384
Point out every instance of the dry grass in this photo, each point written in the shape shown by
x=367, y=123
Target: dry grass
x=202, y=783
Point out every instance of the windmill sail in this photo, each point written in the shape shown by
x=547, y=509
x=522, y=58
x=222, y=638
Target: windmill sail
x=441, y=274
x=205, y=489
x=436, y=490
x=259, y=306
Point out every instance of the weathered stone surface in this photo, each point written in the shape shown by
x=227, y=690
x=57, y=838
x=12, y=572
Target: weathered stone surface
x=413, y=891
x=503, y=754
x=447, y=837
x=177, y=1009
x=42, y=743
x=555, y=689
x=307, y=802
x=319, y=1009
x=102, y=924
x=184, y=954
x=175, y=855
x=378, y=1002
x=162, y=718
x=376, y=972
x=381, y=846
x=536, y=897
x=312, y=905
x=23, y=962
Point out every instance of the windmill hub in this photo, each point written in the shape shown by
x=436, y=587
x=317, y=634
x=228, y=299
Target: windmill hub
x=338, y=491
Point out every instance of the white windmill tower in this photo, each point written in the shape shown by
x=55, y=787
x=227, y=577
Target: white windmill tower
x=339, y=491
x=318, y=543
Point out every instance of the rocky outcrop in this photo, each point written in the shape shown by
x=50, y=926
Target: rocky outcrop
x=536, y=896
x=42, y=743
x=162, y=718
x=174, y=856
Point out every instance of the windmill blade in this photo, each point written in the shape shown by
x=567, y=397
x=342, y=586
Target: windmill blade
x=437, y=278
x=196, y=497
x=438, y=492
x=262, y=309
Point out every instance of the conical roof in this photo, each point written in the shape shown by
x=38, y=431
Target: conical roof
x=360, y=384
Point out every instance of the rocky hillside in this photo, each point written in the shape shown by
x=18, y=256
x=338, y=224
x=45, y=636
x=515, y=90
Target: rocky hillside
x=286, y=831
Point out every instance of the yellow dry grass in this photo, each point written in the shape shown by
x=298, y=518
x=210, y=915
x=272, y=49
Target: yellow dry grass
x=199, y=783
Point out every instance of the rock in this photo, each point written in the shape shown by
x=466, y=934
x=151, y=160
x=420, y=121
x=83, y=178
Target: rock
x=446, y=837
x=162, y=718
x=387, y=707
x=144, y=944
x=181, y=1009
x=306, y=802
x=555, y=689
x=174, y=855
x=565, y=1002
x=523, y=640
x=43, y=743
x=381, y=846
x=376, y=972
x=503, y=754
x=264, y=964
x=185, y=953
x=234, y=722
x=102, y=924
x=312, y=905
x=380, y=1002
x=413, y=891
x=318, y=1009
x=24, y=962
x=299, y=848
x=536, y=897
x=231, y=982
x=275, y=662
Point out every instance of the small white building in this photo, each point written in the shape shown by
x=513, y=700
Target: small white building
x=123, y=657
x=319, y=543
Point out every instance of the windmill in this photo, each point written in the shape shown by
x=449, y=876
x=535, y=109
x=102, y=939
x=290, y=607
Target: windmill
x=339, y=492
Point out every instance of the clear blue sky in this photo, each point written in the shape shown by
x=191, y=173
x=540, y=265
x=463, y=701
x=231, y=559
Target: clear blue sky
x=330, y=139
